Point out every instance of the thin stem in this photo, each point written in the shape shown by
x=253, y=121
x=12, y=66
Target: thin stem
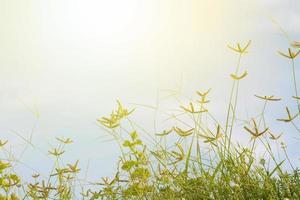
x=288, y=158
x=230, y=104
x=295, y=126
x=295, y=84
x=263, y=114
x=233, y=113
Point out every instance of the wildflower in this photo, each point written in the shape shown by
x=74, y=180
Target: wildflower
x=192, y=110
x=203, y=97
x=183, y=133
x=3, y=166
x=290, y=55
x=283, y=145
x=213, y=139
x=256, y=133
x=239, y=49
x=203, y=94
x=115, y=117
x=273, y=137
x=165, y=132
x=262, y=161
x=290, y=117
x=2, y=143
x=178, y=156
x=35, y=175
x=236, y=77
x=65, y=141
x=56, y=152
x=74, y=168
x=268, y=98
x=295, y=44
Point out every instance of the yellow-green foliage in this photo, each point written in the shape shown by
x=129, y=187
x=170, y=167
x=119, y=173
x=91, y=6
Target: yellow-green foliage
x=196, y=158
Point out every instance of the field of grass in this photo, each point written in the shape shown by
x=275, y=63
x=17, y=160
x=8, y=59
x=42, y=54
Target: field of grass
x=195, y=158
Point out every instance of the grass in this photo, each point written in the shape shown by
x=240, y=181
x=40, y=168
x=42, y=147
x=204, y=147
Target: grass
x=196, y=158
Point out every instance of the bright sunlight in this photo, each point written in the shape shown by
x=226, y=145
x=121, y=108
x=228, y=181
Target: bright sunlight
x=131, y=99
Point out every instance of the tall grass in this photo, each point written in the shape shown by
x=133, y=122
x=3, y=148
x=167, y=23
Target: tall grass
x=196, y=158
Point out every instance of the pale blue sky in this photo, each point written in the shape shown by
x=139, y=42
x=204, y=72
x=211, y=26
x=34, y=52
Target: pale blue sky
x=70, y=61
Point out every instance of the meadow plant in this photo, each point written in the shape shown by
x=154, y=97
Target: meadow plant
x=196, y=158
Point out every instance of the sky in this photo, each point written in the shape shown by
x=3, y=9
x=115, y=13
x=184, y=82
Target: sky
x=64, y=63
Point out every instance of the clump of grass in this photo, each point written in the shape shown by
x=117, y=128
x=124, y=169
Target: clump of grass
x=196, y=158
x=9, y=181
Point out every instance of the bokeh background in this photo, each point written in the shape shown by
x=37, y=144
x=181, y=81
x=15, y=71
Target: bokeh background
x=63, y=63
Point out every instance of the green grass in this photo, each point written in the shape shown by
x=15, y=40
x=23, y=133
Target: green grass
x=196, y=158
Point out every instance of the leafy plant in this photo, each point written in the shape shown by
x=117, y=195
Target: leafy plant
x=195, y=158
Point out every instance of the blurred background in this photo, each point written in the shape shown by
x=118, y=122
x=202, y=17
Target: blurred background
x=63, y=63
